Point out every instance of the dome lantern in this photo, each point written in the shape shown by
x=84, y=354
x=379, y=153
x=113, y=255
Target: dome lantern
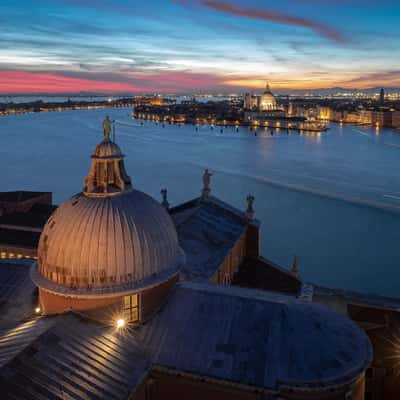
x=107, y=175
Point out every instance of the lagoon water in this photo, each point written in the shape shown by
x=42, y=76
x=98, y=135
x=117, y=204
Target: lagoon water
x=332, y=200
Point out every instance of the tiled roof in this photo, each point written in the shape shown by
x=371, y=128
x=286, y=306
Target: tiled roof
x=244, y=336
x=74, y=359
x=36, y=217
x=255, y=338
x=16, y=292
x=207, y=231
x=19, y=195
x=19, y=238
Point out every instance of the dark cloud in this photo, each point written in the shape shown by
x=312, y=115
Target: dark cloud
x=372, y=78
x=272, y=16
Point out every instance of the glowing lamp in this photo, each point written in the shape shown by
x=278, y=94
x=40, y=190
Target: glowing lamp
x=120, y=323
x=37, y=310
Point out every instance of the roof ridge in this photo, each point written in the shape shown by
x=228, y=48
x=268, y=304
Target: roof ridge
x=236, y=291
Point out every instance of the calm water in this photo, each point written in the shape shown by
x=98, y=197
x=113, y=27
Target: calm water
x=332, y=200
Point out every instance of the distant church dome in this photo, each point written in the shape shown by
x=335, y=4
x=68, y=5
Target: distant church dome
x=108, y=239
x=267, y=100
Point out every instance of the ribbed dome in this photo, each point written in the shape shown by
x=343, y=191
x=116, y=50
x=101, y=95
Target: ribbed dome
x=107, y=148
x=267, y=100
x=268, y=96
x=106, y=244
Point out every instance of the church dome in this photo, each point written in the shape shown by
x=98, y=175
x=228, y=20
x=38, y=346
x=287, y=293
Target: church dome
x=108, y=239
x=108, y=244
x=107, y=148
x=267, y=100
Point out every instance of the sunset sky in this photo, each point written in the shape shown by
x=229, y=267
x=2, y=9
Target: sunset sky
x=68, y=46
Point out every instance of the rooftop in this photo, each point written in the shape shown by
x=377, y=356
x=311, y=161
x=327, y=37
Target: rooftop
x=253, y=337
x=36, y=217
x=16, y=292
x=15, y=237
x=19, y=195
x=207, y=231
x=264, y=274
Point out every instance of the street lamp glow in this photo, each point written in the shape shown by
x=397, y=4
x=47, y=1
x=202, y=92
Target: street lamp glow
x=37, y=310
x=120, y=323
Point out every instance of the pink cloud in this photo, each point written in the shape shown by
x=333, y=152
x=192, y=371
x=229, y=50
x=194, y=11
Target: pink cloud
x=30, y=82
x=46, y=82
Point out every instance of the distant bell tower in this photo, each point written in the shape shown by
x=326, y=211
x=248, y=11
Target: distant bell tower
x=382, y=97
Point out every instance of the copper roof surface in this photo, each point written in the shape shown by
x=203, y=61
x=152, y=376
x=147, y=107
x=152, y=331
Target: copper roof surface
x=108, y=241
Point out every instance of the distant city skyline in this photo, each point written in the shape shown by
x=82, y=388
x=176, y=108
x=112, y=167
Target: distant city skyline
x=182, y=46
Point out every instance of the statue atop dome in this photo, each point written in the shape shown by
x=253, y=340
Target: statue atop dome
x=206, y=184
x=107, y=175
x=107, y=125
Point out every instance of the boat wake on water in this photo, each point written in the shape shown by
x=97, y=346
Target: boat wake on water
x=127, y=124
x=355, y=200
x=391, y=196
x=362, y=133
x=379, y=142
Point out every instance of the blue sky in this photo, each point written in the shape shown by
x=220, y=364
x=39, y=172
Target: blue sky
x=193, y=45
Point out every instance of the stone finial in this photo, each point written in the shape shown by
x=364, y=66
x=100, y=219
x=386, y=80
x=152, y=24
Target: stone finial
x=164, y=194
x=206, y=184
x=250, y=210
x=295, y=267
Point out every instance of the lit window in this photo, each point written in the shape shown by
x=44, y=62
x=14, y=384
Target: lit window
x=227, y=279
x=131, y=308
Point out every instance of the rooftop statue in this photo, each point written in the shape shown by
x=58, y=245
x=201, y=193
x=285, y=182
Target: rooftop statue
x=207, y=179
x=250, y=210
x=107, y=124
x=206, y=184
x=164, y=194
x=295, y=267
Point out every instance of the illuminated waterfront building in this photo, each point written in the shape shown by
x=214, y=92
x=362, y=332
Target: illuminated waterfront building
x=382, y=118
x=269, y=115
x=291, y=109
x=382, y=96
x=250, y=101
x=396, y=119
x=267, y=101
x=263, y=102
x=325, y=113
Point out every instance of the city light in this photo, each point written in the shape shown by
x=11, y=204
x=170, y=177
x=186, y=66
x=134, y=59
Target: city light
x=37, y=310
